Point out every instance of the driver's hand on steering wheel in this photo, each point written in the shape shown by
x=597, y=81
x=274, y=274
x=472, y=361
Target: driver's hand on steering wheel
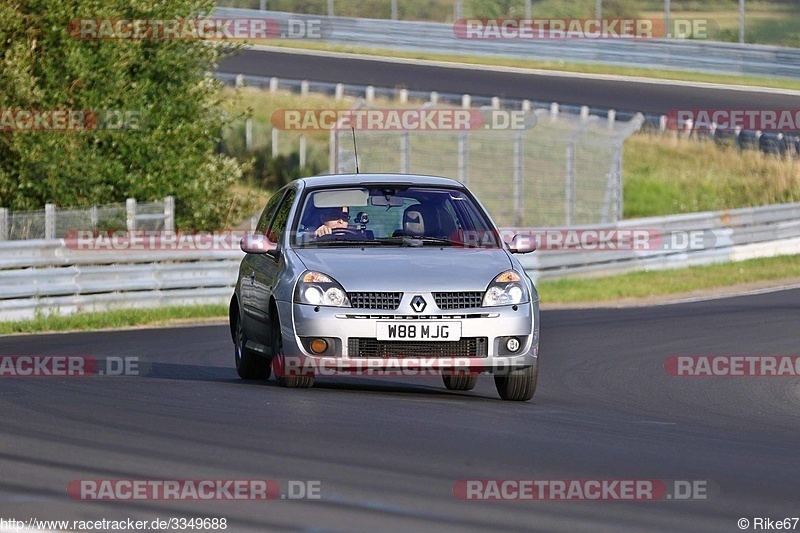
x=322, y=230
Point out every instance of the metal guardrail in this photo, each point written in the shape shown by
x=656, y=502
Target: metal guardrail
x=689, y=55
x=49, y=276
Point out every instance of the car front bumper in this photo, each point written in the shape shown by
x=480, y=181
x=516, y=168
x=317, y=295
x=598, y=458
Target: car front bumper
x=344, y=327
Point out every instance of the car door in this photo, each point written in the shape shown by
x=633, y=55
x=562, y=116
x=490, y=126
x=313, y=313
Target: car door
x=268, y=266
x=253, y=319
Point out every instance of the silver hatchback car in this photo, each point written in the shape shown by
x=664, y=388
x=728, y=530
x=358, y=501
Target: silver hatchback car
x=384, y=274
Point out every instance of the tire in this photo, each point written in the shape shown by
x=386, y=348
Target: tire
x=279, y=360
x=460, y=381
x=248, y=364
x=518, y=385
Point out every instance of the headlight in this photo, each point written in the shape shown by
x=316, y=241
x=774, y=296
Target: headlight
x=506, y=289
x=315, y=288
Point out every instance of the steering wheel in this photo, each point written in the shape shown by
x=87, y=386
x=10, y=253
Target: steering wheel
x=346, y=233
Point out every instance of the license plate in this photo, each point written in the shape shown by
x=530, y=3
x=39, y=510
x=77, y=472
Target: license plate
x=419, y=331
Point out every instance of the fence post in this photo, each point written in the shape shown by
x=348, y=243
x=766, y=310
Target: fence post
x=94, y=216
x=275, y=142
x=330, y=8
x=130, y=209
x=262, y=5
x=405, y=152
x=49, y=221
x=248, y=134
x=333, y=152
x=302, y=151
x=518, y=173
x=463, y=158
x=169, y=213
x=3, y=224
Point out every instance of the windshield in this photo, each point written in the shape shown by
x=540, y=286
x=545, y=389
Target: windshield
x=404, y=216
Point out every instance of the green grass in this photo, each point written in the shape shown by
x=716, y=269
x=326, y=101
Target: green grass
x=668, y=174
x=114, y=319
x=665, y=282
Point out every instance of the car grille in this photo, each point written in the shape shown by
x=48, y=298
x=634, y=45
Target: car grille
x=375, y=300
x=466, y=347
x=458, y=300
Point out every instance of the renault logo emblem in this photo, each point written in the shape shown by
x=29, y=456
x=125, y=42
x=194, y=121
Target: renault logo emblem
x=418, y=303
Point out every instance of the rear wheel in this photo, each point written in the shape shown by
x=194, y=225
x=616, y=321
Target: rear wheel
x=279, y=360
x=248, y=364
x=460, y=381
x=518, y=385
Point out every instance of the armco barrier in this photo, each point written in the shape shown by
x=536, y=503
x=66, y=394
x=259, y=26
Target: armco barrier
x=432, y=37
x=47, y=276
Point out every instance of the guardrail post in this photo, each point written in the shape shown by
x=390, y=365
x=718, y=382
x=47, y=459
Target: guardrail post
x=339, y=91
x=495, y=102
x=553, y=111
x=130, y=209
x=239, y=81
x=526, y=105
x=49, y=221
x=584, y=113
x=273, y=84
x=466, y=101
x=403, y=96
x=304, y=88
x=169, y=213
x=330, y=8
x=369, y=93
x=3, y=224
x=434, y=97
x=612, y=118
x=262, y=5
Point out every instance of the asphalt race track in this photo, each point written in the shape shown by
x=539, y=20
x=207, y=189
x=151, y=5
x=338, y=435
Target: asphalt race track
x=388, y=451
x=653, y=97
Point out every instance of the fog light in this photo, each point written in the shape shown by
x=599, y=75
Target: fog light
x=319, y=345
x=512, y=344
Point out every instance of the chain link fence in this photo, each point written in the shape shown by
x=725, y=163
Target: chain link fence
x=565, y=170
x=55, y=223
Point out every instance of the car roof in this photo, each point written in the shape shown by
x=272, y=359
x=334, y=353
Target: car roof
x=369, y=179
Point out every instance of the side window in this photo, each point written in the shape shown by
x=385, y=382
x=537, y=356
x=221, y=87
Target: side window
x=267, y=214
x=278, y=225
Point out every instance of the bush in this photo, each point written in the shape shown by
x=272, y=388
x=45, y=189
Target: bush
x=164, y=83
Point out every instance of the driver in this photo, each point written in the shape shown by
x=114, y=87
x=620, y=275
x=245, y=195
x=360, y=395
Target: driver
x=331, y=219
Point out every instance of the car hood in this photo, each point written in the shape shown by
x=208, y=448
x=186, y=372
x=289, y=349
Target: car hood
x=404, y=269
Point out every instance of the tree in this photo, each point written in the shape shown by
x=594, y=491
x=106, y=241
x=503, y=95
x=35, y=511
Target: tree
x=163, y=90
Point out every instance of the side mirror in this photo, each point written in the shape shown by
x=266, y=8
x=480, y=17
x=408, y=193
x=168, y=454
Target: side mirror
x=522, y=244
x=257, y=244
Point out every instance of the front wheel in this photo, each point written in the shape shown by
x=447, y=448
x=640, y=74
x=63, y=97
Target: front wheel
x=279, y=361
x=460, y=381
x=248, y=364
x=518, y=385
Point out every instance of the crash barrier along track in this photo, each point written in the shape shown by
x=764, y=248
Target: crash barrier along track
x=432, y=37
x=50, y=276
